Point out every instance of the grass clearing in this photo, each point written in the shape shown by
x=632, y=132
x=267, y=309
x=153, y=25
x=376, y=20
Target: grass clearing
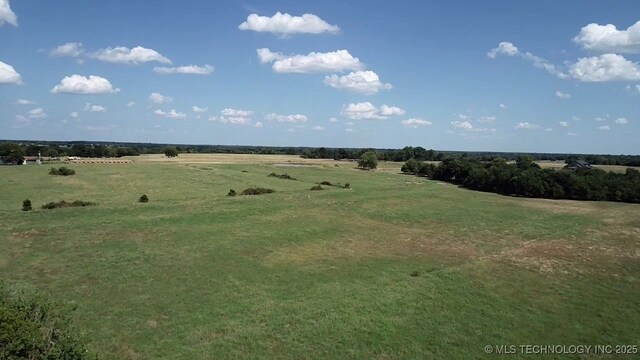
x=195, y=273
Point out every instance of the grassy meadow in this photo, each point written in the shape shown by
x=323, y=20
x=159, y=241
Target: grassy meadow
x=396, y=267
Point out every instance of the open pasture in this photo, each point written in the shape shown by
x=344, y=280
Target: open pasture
x=394, y=267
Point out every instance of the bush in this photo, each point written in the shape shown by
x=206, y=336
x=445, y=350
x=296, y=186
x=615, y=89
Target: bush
x=144, y=198
x=64, y=171
x=282, y=176
x=33, y=327
x=368, y=160
x=232, y=193
x=347, y=186
x=317, y=187
x=26, y=205
x=327, y=183
x=64, y=204
x=170, y=151
x=256, y=191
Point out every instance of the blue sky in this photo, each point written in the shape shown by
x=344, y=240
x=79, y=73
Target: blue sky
x=544, y=76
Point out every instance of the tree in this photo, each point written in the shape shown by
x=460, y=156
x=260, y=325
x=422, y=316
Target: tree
x=170, y=151
x=11, y=153
x=368, y=160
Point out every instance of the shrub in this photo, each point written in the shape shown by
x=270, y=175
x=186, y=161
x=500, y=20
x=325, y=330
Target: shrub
x=33, y=327
x=170, y=151
x=144, y=198
x=347, y=186
x=327, y=183
x=256, y=191
x=64, y=171
x=64, y=204
x=282, y=176
x=232, y=193
x=26, y=205
x=368, y=160
x=316, y=187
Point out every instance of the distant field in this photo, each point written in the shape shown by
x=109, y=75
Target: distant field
x=396, y=267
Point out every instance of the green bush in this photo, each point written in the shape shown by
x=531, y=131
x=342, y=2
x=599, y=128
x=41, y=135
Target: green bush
x=26, y=205
x=64, y=171
x=256, y=191
x=33, y=327
x=282, y=176
x=316, y=187
x=347, y=186
x=368, y=160
x=170, y=151
x=144, y=198
x=328, y=183
x=232, y=193
x=64, y=204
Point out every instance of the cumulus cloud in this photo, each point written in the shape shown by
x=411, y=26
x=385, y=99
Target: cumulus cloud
x=368, y=111
x=6, y=14
x=37, y=113
x=508, y=49
x=134, y=56
x=575, y=118
x=415, y=122
x=199, y=110
x=348, y=130
x=131, y=104
x=70, y=49
x=285, y=24
x=605, y=67
x=187, y=69
x=159, y=99
x=78, y=84
x=604, y=127
x=171, y=114
x=548, y=129
x=25, y=102
x=465, y=125
x=572, y=134
x=502, y=106
x=233, y=116
x=364, y=82
x=258, y=124
x=74, y=115
x=562, y=95
x=563, y=123
x=94, y=108
x=333, y=119
x=486, y=119
x=295, y=118
x=607, y=38
x=336, y=61
x=527, y=126
x=9, y=75
x=317, y=128
x=622, y=121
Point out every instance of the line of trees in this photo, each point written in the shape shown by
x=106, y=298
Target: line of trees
x=526, y=178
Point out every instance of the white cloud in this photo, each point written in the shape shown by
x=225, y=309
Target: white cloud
x=415, y=122
x=233, y=116
x=78, y=84
x=548, y=129
x=486, y=119
x=285, y=24
x=6, y=14
x=526, y=126
x=562, y=95
x=333, y=119
x=21, y=118
x=171, y=114
x=368, y=111
x=258, y=124
x=188, y=69
x=159, y=99
x=295, y=118
x=364, y=82
x=605, y=67
x=37, y=113
x=94, y=108
x=502, y=106
x=70, y=49
x=131, y=104
x=622, y=121
x=575, y=118
x=465, y=125
x=563, y=123
x=236, y=112
x=604, y=127
x=25, y=102
x=349, y=130
x=199, y=110
x=572, y=134
x=508, y=49
x=349, y=123
x=336, y=61
x=134, y=56
x=317, y=128
x=607, y=38
x=74, y=115
x=9, y=75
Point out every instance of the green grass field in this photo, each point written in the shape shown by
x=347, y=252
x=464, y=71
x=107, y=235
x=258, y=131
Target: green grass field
x=194, y=274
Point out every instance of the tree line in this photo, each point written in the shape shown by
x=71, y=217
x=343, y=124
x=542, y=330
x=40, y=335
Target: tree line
x=526, y=178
